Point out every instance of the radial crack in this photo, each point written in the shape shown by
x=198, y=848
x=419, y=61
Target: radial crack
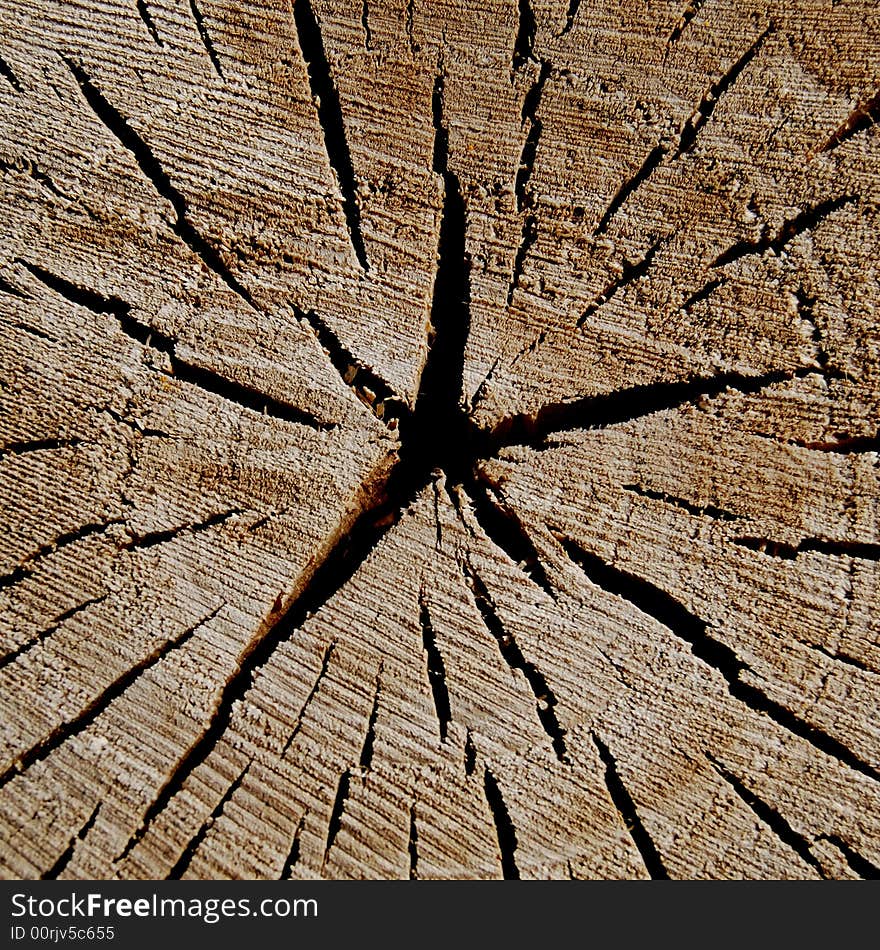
x=629, y=814
x=505, y=831
x=365, y=23
x=691, y=630
x=25, y=567
x=413, y=845
x=60, y=865
x=73, y=727
x=523, y=47
x=629, y=273
x=788, y=552
x=436, y=668
x=7, y=73
x=38, y=445
x=293, y=855
x=861, y=866
x=31, y=642
x=652, y=160
x=330, y=117
x=526, y=165
x=366, y=759
x=189, y=852
x=624, y=405
x=241, y=395
x=363, y=380
x=144, y=13
x=710, y=511
x=545, y=699
x=710, y=100
x=573, y=7
x=807, y=220
x=153, y=538
x=352, y=546
x=690, y=11
x=769, y=816
x=504, y=529
x=325, y=663
x=119, y=127
x=862, y=117
x=343, y=790
x=202, y=27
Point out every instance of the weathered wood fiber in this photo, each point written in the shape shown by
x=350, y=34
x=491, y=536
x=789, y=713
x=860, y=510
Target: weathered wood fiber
x=439, y=439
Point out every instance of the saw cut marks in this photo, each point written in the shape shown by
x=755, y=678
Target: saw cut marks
x=439, y=440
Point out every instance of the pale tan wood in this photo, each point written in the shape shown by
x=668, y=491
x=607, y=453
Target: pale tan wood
x=439, y=439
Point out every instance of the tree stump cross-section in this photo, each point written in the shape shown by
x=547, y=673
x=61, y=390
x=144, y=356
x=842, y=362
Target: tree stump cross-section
x=439, y=440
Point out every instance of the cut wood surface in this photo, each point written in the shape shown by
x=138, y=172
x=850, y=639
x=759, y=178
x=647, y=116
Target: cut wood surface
x=439, y=439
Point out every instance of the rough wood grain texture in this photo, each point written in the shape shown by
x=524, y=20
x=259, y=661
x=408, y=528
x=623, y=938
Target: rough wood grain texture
x=439, y=439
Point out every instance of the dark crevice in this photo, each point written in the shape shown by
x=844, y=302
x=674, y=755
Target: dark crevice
x=56, y=544
x=153, y=538
x=545, y=700
x=241, y=395
x=118, y=126
x=711, y=99
x=38, y=445
x=90, y=713
x=861, y=866
x=710, y=511
x=330, y=574
x=33, y=331
x=28, y=644
x=189, y=852
x=531, y=103
x=300, y=716
x=861, y=118
x=60, y=865
x=573, y=7
x=206, y=37
x=410, y=14
x=529, y=236
x=703, y=293
x=845, y=444
x=506, y=531
x=363, y=380
x=629, y=814
x=806, y=221
x=7, y=288
x=144, y=13
x=690, y=12
x=366, y=759
x=845, y=658
x=788, y=552
x=436, y=668
x=293, y=855
x=9, y=75
x=365, y=23
x=653, y=159
x=769, y=816
x=335, y=823
x=690, y=629
x=623, y=405
x=330, y=117
x=504, y=829
x=413, y=845
x=629, y=273
x=470, y=754
x=438, y=434
x=523, y=47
